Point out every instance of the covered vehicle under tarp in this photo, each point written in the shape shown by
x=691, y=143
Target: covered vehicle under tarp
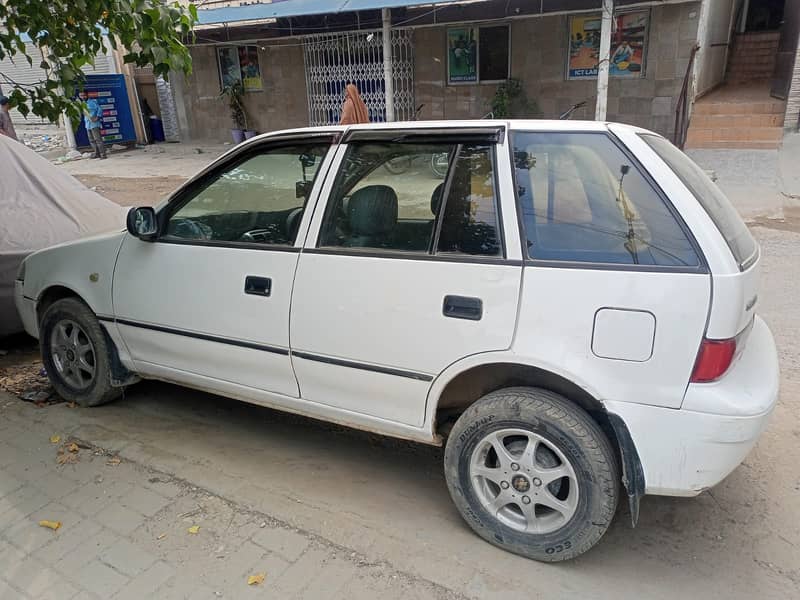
x=41, y=205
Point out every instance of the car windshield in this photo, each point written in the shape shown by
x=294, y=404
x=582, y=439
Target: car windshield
x=710, y=197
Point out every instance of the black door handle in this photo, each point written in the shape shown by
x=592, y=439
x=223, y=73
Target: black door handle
x=463, y=307
x=257, y=286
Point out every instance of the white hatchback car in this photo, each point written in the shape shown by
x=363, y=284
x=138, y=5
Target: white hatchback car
x=569, y=309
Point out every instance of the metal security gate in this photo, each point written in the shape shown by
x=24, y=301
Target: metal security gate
x=334, y=60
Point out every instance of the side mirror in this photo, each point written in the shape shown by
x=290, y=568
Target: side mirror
x=308, y=160
x=142, y=223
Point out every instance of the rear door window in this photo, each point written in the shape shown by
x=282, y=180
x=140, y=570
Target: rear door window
x=424, y=198
x=583, y=200
x=710, y=197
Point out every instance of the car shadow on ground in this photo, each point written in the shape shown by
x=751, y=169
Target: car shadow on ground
x=367, y=473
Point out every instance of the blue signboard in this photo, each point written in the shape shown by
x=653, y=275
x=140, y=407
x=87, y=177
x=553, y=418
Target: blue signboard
x=112, y=96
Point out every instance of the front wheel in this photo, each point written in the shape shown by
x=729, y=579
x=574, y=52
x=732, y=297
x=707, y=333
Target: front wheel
x=532, y=473
x=75, y=353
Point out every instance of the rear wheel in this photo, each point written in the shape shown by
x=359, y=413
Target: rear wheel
x=75, y=353
x=532, y=473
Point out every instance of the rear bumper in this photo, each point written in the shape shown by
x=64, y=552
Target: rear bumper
x=684, y=452
x=26, y=309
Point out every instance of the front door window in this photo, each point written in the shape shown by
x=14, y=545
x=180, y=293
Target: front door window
x=257, y=200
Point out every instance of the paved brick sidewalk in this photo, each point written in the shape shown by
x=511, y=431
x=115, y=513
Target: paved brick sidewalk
x=124, y=533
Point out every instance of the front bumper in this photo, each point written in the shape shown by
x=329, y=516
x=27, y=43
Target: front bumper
x=26, y=308
x=686, y=451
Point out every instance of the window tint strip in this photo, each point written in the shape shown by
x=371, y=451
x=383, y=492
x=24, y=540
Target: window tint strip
x=441, y=257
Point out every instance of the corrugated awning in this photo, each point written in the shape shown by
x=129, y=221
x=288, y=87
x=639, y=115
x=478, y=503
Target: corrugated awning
x=279, y=9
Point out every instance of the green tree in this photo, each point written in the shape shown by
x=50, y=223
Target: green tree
x=69, y=34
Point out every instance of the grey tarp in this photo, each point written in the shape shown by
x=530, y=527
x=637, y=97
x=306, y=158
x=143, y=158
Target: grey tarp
x=41, y=205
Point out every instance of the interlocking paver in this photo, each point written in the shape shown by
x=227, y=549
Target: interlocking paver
x=146, y=584
x=63, y=590
x=119, y=518
x=19, y=504
x=8, y=483
x=285, y=542
x=112, y=517
x=84, y=552
x=94, y=497
x=29, y=537
x=127, y=558
x=144, y=501
x=100, y=579
x=33, y=577
x=67, y=541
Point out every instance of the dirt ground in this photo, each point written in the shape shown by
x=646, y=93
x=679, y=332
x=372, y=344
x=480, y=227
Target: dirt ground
x=128, y=191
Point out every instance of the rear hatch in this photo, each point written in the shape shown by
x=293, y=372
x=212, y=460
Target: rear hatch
x=735, y=292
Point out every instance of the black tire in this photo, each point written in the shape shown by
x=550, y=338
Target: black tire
x=567, y=428
x=99, y=390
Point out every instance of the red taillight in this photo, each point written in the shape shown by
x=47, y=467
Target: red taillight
x=713, y=359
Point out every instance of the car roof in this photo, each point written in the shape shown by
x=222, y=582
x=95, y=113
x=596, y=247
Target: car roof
x=511, y=124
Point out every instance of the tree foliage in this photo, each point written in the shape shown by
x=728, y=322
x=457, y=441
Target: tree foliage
x=68, y=34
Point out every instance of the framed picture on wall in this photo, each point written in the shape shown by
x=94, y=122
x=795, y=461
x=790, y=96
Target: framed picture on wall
x=239, y=64
x=478, y=54
x=628, y=45
x=462, y=55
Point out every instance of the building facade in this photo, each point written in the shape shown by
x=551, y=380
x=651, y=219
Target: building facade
x=450, y=58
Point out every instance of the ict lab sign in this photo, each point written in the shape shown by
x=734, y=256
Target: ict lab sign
x=112, y=96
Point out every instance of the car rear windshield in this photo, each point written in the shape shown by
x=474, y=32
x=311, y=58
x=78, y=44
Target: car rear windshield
x=710, y=197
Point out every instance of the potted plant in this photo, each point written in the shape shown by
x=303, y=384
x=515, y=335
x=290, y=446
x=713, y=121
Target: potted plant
x=235, y=95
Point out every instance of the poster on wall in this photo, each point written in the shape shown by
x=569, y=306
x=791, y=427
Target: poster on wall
x=628, y=45
x=462, y=54
x=240, y=65
x=251, y=70
x=111, y=94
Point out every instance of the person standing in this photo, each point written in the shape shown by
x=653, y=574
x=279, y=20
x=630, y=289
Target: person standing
x=6, y=125
x=353, y=110
x=92, y=119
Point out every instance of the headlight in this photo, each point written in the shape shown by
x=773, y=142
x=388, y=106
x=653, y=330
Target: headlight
x=21, y=271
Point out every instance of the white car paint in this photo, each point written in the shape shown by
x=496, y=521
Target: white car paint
x=386, y=313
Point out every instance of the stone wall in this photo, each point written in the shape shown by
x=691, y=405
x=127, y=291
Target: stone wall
x=539, y=49
x=281, y=105
x=793, y=101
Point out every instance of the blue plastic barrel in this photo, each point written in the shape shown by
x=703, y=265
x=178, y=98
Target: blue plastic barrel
x=156, y=128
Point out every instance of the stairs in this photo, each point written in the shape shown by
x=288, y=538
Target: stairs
x=753, y=56
x=741, y=113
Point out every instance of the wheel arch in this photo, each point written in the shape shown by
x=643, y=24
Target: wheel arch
x=120, y=374
x=464, y=383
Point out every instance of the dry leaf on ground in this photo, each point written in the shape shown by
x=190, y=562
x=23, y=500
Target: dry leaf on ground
x=194, y=529
x=54, y=525
x=54, y=439
x=73, y=447
x=256, y=579
x=162, y=536
x=113, y=461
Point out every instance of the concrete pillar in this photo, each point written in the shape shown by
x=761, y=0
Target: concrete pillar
x=604, y=58
x=388, y=73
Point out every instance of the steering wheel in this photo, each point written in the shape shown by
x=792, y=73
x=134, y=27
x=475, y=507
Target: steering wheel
x=190, y=230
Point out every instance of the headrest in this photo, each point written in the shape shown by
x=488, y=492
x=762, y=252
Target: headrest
x=373, y=210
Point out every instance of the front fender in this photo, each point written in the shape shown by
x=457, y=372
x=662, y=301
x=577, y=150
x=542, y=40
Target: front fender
x=85, y=267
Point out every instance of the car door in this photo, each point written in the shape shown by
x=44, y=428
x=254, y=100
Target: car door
x=210, y=296
x=403, y=272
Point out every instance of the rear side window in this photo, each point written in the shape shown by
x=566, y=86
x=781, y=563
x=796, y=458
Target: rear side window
x=422, y=198
x=583, y=200
x=710, y=197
